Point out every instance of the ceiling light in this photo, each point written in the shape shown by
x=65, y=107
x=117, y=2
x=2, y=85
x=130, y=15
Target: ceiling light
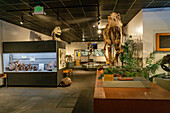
x=21, y=23
x=99, y=31
x=58, y=18
x=22, y=20
x=94, y=26
x=83, y=39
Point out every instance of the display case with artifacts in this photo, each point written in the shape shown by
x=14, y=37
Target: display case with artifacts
x=32, y=63
x=29, y=62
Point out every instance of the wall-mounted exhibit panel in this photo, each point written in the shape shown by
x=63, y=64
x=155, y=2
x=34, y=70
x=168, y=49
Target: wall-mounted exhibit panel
x=83, y=54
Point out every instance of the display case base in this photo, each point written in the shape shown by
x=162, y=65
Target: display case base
x=32, y=79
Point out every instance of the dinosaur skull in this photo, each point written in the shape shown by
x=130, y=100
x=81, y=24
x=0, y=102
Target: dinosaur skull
x=57, y=30
x=114, y=20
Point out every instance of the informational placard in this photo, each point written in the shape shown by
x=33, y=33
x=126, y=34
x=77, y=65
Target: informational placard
x=32, y=59
x=108, y=77
x=62, y=58
x=41, y=67
x=23, y=57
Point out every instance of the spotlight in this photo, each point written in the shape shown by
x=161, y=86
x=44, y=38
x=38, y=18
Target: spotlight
x=98, y=25
x=98, y=19
x=22, y=20
x=58, y=18
x=30, y=13
x=99, y=31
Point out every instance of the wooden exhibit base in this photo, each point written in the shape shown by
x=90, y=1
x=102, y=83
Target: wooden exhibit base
x=130, y=100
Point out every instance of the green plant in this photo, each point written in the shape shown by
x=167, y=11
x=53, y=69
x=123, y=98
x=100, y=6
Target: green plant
x=126, y=56
x=151, y=67
x=130, y=66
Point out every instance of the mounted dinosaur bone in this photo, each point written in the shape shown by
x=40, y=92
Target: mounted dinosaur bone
x=113, y=35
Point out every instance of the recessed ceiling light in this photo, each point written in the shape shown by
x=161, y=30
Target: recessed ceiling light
x=99, y=31
x=94, y=26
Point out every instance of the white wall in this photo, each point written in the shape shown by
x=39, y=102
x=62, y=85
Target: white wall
x=11, y=32
x=135, y=26
x=147, y=23
x=135, y=29
x=156, y=20
x=83, y=45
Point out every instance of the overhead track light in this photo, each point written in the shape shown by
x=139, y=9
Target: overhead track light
x=22, y=20
x=58, y=18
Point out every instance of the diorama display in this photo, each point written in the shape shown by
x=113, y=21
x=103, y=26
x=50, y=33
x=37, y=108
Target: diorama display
x=29, y=62
x=131, y=68
x=33, y=63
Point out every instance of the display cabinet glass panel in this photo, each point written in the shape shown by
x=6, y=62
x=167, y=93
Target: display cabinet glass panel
x=30, y=62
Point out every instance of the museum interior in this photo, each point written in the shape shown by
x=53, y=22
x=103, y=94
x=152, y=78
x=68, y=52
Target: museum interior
x=84, y=56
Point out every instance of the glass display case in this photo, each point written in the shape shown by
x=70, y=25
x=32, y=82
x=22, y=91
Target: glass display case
x=30, y=62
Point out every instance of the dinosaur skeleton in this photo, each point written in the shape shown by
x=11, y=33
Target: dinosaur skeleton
x=56, y=33
x=113, y=35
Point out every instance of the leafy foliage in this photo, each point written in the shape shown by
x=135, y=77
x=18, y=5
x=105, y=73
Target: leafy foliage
x=151, y=67
x=130, y=65
x=126, y=56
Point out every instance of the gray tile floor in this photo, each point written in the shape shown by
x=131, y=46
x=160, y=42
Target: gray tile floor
x=78, y=98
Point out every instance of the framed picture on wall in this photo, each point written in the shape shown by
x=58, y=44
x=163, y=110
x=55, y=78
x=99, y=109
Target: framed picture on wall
x=162, y=41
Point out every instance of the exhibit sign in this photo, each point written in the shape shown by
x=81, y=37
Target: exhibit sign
x=62, y=58
x=108, y=77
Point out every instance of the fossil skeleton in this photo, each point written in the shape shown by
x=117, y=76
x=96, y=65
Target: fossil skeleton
x=56, y=33
x=113, y=35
